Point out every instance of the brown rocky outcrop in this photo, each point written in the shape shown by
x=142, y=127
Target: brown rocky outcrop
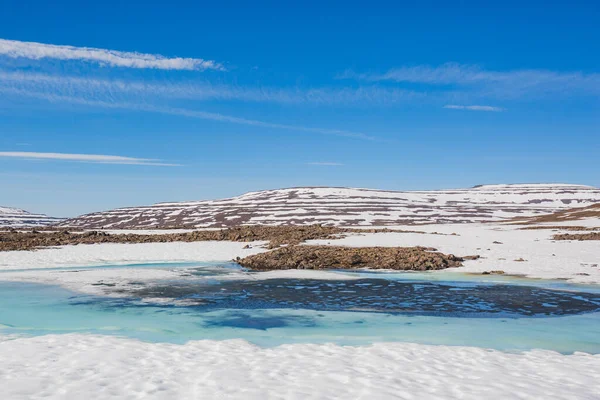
x=337, y=257
x=275, y=235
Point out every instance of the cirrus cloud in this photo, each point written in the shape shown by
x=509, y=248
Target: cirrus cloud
x=120, y=89
x=326, y=164
x=474, y=108
x=475, y=80
x=113, y=58
x=183, y=112
x=87, y=158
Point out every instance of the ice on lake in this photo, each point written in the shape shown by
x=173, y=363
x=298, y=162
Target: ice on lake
x=504, y=314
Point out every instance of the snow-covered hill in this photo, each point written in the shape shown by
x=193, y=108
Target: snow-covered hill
x=351, y=207
x=14, y=217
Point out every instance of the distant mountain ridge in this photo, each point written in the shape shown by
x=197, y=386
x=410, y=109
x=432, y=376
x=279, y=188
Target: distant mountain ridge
x=350, y=207
x=15, y=217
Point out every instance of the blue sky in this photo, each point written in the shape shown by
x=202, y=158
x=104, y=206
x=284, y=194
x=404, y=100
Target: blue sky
x=109, y=104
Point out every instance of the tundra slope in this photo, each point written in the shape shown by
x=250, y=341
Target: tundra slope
x=14, y=217
x=350, y=207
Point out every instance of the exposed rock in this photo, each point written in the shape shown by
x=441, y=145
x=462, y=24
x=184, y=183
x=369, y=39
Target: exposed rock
x=275, y=235
x=560, y=228
x=337, y=257
x=573, y=214
x=578, y=236
x=495, y=272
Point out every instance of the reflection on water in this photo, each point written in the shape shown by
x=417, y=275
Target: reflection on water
x=239, y=319
x=377, y=307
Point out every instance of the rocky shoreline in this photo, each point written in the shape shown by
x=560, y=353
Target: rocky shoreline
x=276, y=236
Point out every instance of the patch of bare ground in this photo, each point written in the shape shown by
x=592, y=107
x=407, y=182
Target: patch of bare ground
x=572, y=214
x=559, y=228
x=8, y=229
x=338, y=257
x=275, y=235
x=578, y=236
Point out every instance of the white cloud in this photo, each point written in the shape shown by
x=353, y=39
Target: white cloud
x=326, y=164
x=118, y=89
x=88, y=158
x=146, y=107
x=474, y=79
x=244, y=121
x=114, y=58
x=474, y=108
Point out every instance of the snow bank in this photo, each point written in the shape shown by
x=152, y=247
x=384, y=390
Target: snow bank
x=100, y=367
x=63, y=265
x=117, y=253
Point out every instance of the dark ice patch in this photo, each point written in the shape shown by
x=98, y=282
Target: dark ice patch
x=379, y=295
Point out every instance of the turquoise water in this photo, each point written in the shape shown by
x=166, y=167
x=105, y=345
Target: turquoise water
x=169, y=265
x=493, y=312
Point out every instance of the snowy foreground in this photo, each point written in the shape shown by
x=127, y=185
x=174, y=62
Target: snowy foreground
x=101, y=367
x=76, y=366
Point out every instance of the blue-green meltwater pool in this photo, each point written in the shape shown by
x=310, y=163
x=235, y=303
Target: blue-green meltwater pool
x=502, y=313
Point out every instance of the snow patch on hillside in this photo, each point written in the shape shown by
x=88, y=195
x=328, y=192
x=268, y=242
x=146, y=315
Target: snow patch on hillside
x=351, y=207
x=15, y=217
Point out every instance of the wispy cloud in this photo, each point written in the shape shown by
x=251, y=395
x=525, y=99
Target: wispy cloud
x=114, y=58
x=244, y=121
x=512, y=83
x=474, y=108
x=87, y=158
x=184, y=112
x=118, y=89
x=326, y=164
